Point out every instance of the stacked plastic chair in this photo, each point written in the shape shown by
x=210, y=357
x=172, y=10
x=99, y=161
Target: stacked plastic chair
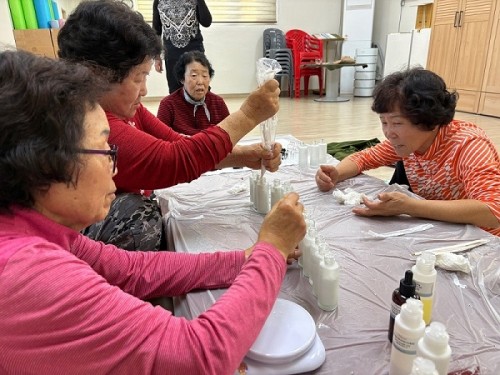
x=273, y=39
x=306, y=49
x=274, y=44
x=285, y=59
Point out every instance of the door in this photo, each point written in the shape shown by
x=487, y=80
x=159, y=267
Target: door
x=444, y=40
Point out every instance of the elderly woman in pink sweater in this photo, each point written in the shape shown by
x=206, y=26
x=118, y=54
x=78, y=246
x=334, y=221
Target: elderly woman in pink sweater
x=71, y=305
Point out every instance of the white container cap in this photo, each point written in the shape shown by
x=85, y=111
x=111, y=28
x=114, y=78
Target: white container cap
x=426, y=262
x=436, y=338
x=423, y=366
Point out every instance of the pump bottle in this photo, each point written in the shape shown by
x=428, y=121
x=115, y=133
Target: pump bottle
x=424, y=275
x=399, y=296
x=409, y=327
x=434, y=346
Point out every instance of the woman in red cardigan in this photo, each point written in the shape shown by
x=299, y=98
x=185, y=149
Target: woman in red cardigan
x=120, y=46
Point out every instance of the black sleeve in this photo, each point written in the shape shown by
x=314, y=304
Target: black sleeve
x=156, y=18
x=203, y=13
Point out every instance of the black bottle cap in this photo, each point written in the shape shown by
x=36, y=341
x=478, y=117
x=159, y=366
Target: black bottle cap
x=406, y=285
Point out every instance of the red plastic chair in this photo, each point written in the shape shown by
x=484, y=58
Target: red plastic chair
x=306, y=49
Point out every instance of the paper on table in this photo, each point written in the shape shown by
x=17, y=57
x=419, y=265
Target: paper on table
x=455, y=248
x=418, y=228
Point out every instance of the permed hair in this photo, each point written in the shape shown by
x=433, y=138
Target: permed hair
x=419, y=95
x=109, y=36
x=44, y=103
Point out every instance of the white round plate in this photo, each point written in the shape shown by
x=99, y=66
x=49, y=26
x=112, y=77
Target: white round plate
x=288, y=333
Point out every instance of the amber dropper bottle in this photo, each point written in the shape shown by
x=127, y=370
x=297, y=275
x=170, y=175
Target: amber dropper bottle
x=399, y=296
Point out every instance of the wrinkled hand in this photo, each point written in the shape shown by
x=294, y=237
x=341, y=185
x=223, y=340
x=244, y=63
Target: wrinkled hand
x=254, y=154
x=263, y=102
x=284, y=226
x=158, y=65
x=326, y=177
x=290, y=259
x=389, y=204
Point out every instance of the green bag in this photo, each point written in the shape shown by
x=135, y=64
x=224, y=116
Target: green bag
x=339, y=150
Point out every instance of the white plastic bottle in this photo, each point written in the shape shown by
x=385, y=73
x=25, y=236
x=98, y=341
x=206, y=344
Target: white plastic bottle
x=306, y=246
x=252, y=182
x=303, y=244
x=276, y=192
x=328, y=288
x=424, y=276
x=317, y=257
x=409, y=327
x=261, y=196
x=434, y=346
x=423, y=366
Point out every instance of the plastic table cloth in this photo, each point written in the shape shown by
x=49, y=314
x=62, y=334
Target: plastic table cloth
x=214, y=213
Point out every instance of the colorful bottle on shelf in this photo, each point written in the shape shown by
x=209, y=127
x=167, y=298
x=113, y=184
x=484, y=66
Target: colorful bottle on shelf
x=409, y=327
x=29, y=14
x=424, y=275
x=42, y=13
x=17, y=15
x=434, y=346
x=399, y=296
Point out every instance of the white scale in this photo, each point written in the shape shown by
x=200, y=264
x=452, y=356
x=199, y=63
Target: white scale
x=287, y=344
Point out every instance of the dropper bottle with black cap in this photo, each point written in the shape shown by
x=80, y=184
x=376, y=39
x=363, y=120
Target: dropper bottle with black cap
x=399, y=296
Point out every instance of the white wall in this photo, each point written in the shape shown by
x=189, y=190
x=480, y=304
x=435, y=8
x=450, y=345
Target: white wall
x=6, y=35
x=233, y=49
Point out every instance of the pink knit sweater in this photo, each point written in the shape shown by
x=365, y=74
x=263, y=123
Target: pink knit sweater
x=69, y=305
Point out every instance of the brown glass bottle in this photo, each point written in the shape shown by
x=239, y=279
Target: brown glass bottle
x=399, y=296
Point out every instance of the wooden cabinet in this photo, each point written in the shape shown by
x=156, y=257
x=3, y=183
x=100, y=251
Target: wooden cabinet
x=459, y=46
x=490, y=97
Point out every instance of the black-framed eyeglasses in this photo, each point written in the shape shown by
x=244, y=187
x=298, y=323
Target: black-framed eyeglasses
x=112, y=153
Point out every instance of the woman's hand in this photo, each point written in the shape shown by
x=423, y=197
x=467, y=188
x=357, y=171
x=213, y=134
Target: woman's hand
x=284, y=226
x=253, y=155
x=326, y=177
x=389, y=204
x=262, y=103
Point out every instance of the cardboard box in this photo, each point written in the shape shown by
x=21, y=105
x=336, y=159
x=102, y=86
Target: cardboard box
x=53, y=35
x=39, y=42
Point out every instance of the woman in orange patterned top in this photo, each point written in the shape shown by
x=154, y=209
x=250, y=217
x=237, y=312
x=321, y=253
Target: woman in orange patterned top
x=451, y=163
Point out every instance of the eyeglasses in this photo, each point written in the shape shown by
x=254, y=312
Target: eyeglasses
x=112, y=153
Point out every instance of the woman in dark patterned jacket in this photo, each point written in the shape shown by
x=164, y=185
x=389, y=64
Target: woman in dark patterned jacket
x=179, y=22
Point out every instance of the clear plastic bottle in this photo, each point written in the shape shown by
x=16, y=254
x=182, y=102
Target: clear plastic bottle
x=314, y=155
x=424, y=275
x=409, y=327
x=399, y=296
x=423, y=366
x=328, y=288
x=323, y=151
x=303, y=157
x=434, y=346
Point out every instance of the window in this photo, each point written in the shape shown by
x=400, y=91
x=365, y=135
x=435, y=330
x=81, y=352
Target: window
x=230, y=11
